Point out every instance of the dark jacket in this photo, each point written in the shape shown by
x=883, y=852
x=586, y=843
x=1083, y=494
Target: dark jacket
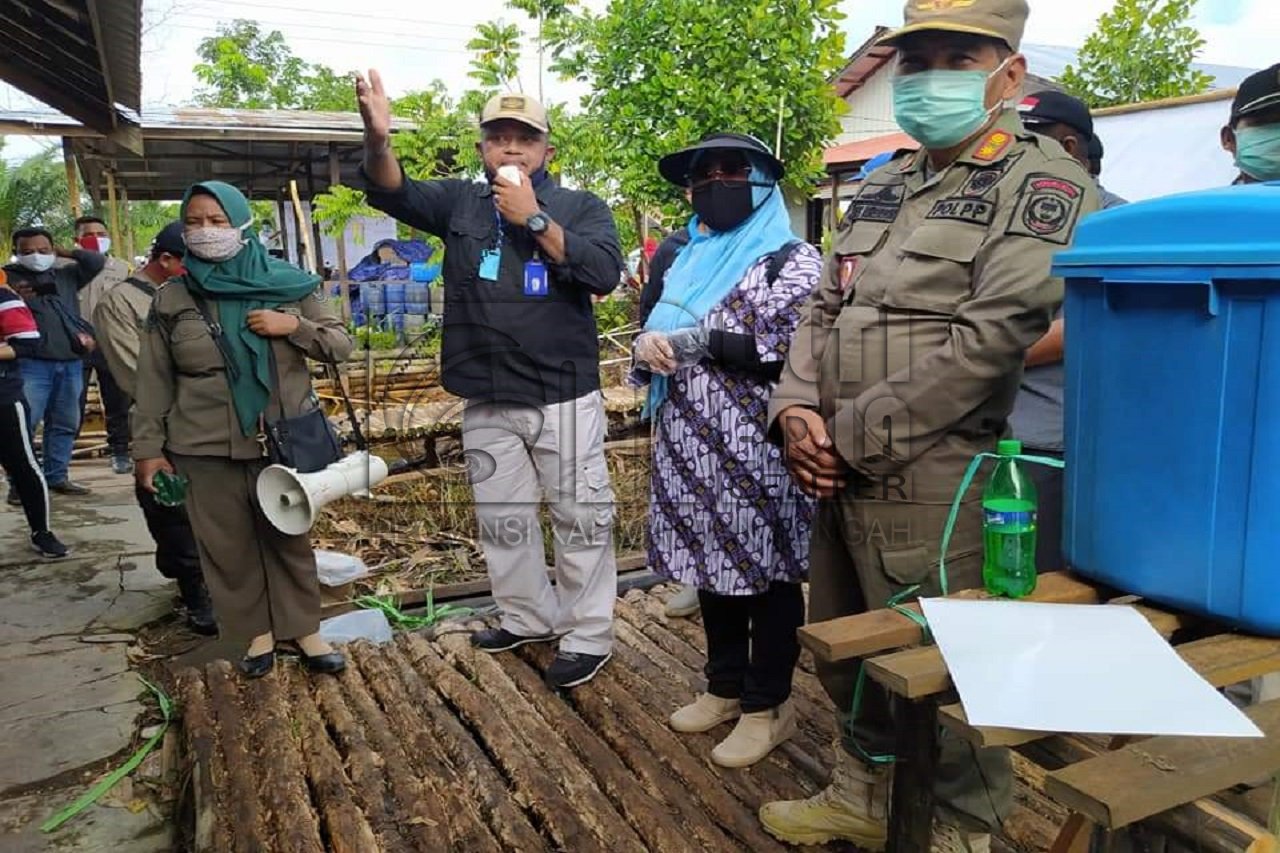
x=499, y=344
x=55, y=303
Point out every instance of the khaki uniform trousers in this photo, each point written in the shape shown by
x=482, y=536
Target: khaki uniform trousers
x=259, y=579
x=864, y=552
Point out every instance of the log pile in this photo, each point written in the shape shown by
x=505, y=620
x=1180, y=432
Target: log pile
x=424, y=744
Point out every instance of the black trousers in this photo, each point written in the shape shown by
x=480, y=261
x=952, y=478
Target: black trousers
x=115, y=403
x=1048, y=483
x=177, y=556
x=19, y=460
x=752, y=646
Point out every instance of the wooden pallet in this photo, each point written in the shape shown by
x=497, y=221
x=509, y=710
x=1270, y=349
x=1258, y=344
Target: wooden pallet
x=1170, y=783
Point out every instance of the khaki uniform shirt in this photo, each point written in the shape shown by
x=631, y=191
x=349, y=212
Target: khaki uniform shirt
x=183, y=401
x=103, y=283
x=119, y=320
x=912, y=348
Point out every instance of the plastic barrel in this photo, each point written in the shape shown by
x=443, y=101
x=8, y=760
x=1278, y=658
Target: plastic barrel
x=393, y=293
x=374, y=299
x=416, y=298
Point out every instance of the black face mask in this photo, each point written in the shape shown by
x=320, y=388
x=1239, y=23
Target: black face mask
x=723, y=205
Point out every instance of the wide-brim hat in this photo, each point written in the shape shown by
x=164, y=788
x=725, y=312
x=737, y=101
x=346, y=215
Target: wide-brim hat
x=678, y=166
x=1003, y=20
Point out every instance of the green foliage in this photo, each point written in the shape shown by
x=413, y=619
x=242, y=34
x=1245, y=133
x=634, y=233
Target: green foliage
x=334, y=210
x=495, y=63
x=34, y=192
x=374, y=337
x=443, y=141
x=665, y=72
x=615, y=313
x=1142, y=51
x=243, y=67
x=146, y=218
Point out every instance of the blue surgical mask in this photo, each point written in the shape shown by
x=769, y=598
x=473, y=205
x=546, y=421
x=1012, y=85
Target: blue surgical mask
x=1258, y=152
x=940, y=109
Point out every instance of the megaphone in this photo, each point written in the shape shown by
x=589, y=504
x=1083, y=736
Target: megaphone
x=291, y=500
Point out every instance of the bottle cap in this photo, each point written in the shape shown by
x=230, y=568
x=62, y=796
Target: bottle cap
x=1009, y=447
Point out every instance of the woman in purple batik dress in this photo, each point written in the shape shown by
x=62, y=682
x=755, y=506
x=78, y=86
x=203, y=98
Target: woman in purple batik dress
x=724, y=514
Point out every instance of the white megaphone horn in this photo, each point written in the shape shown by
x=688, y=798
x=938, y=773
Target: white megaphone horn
x=291, y=500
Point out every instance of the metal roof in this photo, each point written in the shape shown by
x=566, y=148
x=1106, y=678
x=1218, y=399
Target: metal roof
x=259, y=151
x=78, y=56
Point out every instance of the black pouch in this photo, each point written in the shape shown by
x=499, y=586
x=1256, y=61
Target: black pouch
x=305, y=442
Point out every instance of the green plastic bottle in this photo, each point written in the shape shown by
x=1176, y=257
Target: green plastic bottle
x=1009, y=526
x=171, y=489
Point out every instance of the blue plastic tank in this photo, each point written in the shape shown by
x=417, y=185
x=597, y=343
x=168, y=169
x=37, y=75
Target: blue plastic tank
x=1172, y=486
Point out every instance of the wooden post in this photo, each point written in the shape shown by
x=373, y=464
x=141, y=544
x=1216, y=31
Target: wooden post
x=128, y=227
x=344, y=286
x=310, y=258
x=289, y=254
x=911, y=811
x=73, y=185
x=317, y=242
x=112, y=209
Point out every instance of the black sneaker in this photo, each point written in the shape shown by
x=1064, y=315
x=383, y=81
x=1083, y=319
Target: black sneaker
x=48, y=545
x=121, y=464
x=570, y=669
x=14, y=499
x=69, y=487
x=500, y=640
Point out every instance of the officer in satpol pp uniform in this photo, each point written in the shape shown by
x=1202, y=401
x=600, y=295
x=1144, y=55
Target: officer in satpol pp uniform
x=905, y=366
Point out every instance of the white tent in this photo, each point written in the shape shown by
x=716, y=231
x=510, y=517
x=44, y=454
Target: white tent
x=1165, y=147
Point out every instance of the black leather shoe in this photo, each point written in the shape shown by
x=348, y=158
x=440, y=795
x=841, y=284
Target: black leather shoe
x=256, y=666
x=327, y=664
x=202, y=622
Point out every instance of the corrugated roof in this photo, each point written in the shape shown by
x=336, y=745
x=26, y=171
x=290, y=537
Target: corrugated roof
x=864, y=149
x=1049, y=60
x=196, y=121
x=80, y=57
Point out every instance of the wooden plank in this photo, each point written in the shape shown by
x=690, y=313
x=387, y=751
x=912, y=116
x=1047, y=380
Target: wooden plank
x=881, y=630
x=1161, y=773
x=1221, y=660
x=915, y=771
x=919, y=672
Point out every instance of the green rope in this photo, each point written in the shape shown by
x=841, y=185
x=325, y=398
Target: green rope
x=107, y=783
x=895, y=603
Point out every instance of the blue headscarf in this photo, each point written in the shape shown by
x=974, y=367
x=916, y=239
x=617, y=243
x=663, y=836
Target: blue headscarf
x=708, y=269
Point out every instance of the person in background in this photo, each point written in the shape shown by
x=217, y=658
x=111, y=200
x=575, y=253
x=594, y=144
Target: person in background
x=1037, y=416
x=225, y=347
x=53, y=377
x=523, y=260
x=119, y=321
x=904, y=367
x=1253, y=133
x=1105, y=196
x=92, y=236
x=724, y=516
x=17, y=455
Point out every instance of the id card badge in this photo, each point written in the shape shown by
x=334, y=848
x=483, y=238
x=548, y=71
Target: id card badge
x=490, y=263
x=535, y=278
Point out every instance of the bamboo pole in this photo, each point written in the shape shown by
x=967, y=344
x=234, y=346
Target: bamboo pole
x=128, y=227
x=303, y=231
x=344, y=286
x=73, y=184
x=112, y=208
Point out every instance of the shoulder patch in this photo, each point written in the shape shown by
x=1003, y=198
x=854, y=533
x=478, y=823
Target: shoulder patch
x=982, y=180
x=1048, y=207
x=979, y=211
x=993, y=146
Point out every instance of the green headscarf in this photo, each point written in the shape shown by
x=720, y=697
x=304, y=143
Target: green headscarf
x=249, y=281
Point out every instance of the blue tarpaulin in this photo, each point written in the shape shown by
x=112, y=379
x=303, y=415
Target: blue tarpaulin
x=373, y=268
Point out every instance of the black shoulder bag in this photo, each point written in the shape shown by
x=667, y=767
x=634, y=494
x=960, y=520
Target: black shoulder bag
x=305, y=442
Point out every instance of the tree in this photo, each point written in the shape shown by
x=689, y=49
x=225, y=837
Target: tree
x=1141, y=51
x=336, y=209
x=245, y=68
x=443, y=141
x=545, y=13
x=496, y=63
x=34, y=192
x=665, y=72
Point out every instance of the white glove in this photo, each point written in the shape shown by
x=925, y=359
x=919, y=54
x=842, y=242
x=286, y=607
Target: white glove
x=652, y=352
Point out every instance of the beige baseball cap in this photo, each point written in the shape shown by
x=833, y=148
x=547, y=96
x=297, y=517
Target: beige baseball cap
x=516, y=107
x=998, y=19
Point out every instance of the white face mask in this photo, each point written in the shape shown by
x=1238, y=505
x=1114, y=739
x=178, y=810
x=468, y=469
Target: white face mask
x=36, y=262
x=215, y=244
x=104, y=244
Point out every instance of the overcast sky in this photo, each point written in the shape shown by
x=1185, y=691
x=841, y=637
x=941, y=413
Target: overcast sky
x=412, y=42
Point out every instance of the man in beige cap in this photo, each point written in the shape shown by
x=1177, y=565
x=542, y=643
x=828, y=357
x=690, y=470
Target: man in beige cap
x=523, y=257
x=905, y=366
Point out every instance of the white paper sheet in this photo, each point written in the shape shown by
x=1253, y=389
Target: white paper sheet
x=1099, y=669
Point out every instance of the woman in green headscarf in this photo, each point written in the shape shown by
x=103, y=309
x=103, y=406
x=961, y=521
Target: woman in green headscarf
x=201, y=407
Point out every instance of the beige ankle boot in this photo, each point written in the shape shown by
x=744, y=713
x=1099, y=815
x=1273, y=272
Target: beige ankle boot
x=704, y=713
x=853, y=808
x=755, y=736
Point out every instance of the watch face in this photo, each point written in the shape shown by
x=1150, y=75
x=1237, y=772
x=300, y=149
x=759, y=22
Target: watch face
x=538, y=223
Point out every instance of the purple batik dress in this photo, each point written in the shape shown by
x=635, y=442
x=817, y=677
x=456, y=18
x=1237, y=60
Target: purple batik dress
x=725, y=515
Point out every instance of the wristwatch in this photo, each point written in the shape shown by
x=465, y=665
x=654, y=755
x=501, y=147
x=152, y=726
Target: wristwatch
x=538, y=223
